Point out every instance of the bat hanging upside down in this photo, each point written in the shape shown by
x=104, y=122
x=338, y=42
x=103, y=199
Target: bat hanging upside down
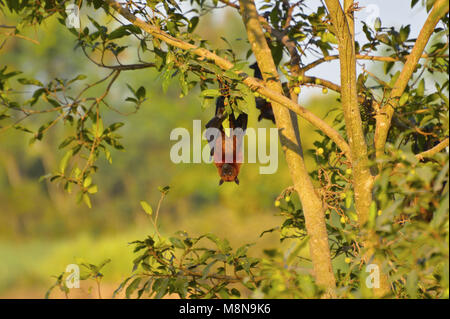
x=226, y=150
x=265, y=108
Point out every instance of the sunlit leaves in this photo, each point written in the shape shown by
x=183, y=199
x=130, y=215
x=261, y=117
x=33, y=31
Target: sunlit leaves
x=64, y=161
x=25, y=81
x=146, y=207
x=183, y=266
x=124, y=30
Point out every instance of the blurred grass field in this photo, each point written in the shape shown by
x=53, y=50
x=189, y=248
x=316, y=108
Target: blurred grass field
x=28, y=266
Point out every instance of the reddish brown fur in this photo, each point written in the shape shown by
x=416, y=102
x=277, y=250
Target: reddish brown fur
x=228, y=170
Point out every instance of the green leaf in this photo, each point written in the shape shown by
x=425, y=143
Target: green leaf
x=377, y=24
x=387, y=66
x=66, y=142
x=207, y=269
x=429, y=4
x=177, y=242
x=64, y=161
x=403, y=99
x=87, y=181
x=132, y=287
x=5, y=76
x=87, y=200
x=121, y=286
x=235, y=292
x=193, y=24
x=162, y=288
x=93, y=189
x=421, y=88
x=77, y=78
x=98, y=128
x=119, y=32
x=140, y=93
x=22, y=128
x=30, y=82
x=348, y=200
x=404, y=33
x=113, y=127
x=329, y=37
x=108, y=156
x=146, y=207
x=167, y=75
x=210, y=93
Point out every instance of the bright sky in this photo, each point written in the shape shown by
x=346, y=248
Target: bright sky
x=392, y=13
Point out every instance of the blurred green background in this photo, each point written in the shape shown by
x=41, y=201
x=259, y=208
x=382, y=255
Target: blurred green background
x=43, y=229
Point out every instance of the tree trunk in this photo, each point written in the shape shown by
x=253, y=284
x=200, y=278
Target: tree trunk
x=311, y=203
x=362, y=179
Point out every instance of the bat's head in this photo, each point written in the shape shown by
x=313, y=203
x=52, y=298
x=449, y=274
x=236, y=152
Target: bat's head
x=228, y=170
x=228, y=173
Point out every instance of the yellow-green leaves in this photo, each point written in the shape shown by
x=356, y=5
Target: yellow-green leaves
x=108, y=156
x=87, y=200
x=93, y=189
x=377, y=24
x=403, y=99
x=87, y=181
x=98, y=128
x=329, y=37
x=348, y=200
x=64, y=161
x=146, y=207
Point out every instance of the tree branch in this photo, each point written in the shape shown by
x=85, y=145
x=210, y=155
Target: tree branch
x=361, y=57
x=384, y=118
x=251, y=82
x=433, y=150
x=312, y=205
x=322, y=83
x=362, y=179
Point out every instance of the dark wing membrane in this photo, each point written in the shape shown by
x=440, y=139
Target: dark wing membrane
x=214, y=126
x=241, y=121
x=211, y=135
x=257, y=73
x=265, y=108
x=219, y=117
